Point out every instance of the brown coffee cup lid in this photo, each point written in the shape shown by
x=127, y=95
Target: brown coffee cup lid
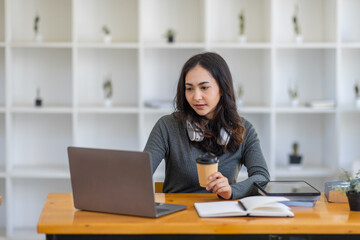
x=207, y=158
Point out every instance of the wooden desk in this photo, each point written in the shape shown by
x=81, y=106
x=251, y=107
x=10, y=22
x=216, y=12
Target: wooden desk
x=59, y=220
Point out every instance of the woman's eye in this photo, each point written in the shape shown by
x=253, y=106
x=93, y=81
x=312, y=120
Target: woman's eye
x=204, y=88
x=188, y=89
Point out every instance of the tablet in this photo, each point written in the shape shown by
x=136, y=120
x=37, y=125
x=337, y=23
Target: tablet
x=286, y=188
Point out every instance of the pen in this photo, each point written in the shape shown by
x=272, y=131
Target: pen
x=242, y=205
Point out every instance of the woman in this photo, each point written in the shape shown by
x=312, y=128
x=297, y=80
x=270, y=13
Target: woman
x=206, y=120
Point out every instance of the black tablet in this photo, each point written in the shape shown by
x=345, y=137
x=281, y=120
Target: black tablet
x=287, y=188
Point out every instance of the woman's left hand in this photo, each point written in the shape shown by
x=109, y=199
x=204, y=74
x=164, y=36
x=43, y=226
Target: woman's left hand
x=219, y=185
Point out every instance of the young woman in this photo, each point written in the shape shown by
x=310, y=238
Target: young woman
x=206, y=120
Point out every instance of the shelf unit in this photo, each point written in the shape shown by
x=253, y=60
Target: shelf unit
x=71, y=62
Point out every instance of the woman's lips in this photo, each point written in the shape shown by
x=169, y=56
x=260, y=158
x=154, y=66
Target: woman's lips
x=200, y=106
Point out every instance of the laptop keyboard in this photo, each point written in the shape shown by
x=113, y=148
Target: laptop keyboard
x=161, y=210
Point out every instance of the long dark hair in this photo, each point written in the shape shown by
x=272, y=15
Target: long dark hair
x=225, y=113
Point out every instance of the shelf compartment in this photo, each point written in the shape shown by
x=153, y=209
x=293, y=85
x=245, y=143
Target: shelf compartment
x=312, y=70
x=108, y=110
x=349, y=75
x=315, y=134
x=120, y=16
x=54, y=25
x=95, y=65
x=2, y=77
x=31, y=44
x=115, y=131
x=349, y=139
x=47, y=69
x=349, y=14
x=186, y=17
x=41, y=172
x=40, y=140
x=224, y=20
x=124, y=45
x=250, y=68
x=161, y=72
x=317, y=20
x=34, y=191
x=2, y=143
x=42, y=110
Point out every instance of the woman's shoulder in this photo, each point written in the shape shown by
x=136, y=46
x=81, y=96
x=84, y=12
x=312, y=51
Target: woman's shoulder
x=169, y=120
x=249, y=127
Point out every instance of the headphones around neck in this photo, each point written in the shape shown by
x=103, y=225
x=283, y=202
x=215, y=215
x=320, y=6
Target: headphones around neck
x=198, y=136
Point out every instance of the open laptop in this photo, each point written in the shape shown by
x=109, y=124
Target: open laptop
x=115, y=181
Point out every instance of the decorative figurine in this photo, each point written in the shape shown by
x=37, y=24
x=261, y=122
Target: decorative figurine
x=170, y=35
x=38, y=36
x=293, y=94
x=297, y=30
x=242, y=36
x=108, y=92
x=357, y=94
x=294, y=157
x=38, y=100
x=107, y=35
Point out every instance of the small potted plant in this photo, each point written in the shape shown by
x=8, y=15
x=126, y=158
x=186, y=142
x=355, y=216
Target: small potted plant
x=297, y=30
x=240, y=94
x=353, y=190
x=170, y=35
x=293, y=94
x=357, y=94
x=38, y=100
x=242, y=36
x=107, y=35
x=38, y=36
x=294, y=158
x=108, y=92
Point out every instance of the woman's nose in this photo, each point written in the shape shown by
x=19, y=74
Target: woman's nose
x=197, y=95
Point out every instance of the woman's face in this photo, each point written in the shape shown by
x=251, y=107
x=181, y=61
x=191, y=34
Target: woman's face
x=202, y=91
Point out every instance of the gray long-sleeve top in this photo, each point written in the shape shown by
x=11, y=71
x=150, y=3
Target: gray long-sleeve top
x=169, y=140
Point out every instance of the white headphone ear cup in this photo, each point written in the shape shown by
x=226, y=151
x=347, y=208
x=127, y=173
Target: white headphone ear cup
x=191, y=132
x=193, y=135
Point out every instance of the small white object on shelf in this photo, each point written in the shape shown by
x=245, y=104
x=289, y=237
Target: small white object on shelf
x=242, y=38
x=38, y=38
x=320, y=103
x=107, y=38
x=298, y=38
x=159, y=104
x=295, y=102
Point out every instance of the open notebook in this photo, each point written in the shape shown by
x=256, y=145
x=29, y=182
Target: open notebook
x=257, y=206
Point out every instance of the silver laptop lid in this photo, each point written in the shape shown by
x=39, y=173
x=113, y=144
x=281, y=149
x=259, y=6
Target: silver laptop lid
x=112, y=181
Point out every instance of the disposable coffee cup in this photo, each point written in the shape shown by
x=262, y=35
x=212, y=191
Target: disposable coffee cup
x=207, y=164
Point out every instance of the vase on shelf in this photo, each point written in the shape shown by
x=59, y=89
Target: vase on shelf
x=107, y=102
x=38, y=38
x=107, y=38
x=242, y=38
x=298, y=38
x=295, y=102
x=357, y=102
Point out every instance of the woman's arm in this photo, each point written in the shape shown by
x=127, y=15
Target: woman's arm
x=253, y=159
x=157, y=143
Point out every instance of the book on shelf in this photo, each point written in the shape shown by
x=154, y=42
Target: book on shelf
x=320, y=103
x=159, y=104
x=254, y=206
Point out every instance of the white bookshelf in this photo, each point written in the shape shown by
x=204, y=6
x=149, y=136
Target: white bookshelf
x=71, y=62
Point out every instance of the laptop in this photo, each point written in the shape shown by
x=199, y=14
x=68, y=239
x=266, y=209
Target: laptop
x=115, y=181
